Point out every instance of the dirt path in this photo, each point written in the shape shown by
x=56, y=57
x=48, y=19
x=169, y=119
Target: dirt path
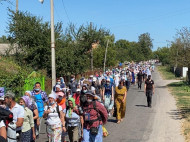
x=166, y=125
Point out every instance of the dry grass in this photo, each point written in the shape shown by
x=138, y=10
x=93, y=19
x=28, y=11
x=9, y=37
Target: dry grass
x=180, y=90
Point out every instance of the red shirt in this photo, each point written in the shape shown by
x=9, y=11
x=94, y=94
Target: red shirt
x=94, y=115
x=77, y=98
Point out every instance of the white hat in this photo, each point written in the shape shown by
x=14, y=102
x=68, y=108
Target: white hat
x=91, y=75
x=78, y=90
x=108, y=79
x=52, y=96
x=94, y=79
x=58, y=86
x=2, y=98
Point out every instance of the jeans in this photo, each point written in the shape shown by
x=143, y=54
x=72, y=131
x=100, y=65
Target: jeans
x=139, y=84
x=87, y=137
x=149, y=97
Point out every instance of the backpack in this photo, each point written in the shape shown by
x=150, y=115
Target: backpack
x=6, y=116
x=99, y=116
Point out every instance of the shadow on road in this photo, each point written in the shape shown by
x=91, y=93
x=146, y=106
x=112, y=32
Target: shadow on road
x=140, y=105
x=112, y=120
x=161, y=87
x=140, y=91
x=184, y=112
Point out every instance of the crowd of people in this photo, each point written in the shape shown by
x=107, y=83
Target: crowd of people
x=78, y=110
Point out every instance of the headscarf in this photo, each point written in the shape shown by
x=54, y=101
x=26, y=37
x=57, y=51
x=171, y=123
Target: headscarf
x=29, y=92
x=27, y=100
x=70, y=109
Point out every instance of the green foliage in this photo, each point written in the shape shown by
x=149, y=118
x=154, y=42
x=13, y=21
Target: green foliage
x=163, y=54
x=73, y=47
x=145, y=44
x=3, y=39
x=12, y=76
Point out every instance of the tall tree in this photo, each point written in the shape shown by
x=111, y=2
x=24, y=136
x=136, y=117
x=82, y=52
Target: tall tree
x=145, y=43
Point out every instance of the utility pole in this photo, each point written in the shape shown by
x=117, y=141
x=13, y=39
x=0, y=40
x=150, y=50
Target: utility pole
x=92, y=49
x=16, y=6
x=92, y=59
x=106, y=55
x=53, y=71
x=53, y=45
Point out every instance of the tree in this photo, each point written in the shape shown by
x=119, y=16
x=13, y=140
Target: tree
x=145, y=44
x=32, y=37
x=163, y=54
x=181, y=48
x=4, y=39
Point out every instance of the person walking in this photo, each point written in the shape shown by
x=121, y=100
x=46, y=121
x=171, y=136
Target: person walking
x=73, y=121
x=73, y=84
x=149, y=90
x=17, y=110
x=94, y=115
x=61, y=99
x=120, y=100
x=40, y=99
x=33, y=107
x=54, y=115
x=139, y=79
x=28, y=124
x=108, y=96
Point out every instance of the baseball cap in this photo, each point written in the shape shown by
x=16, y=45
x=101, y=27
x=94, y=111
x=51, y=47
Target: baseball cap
x=90, y=93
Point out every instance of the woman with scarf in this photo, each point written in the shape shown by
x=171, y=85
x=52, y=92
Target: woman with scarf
x=73, y=121
x=54, y=115
x=28, y=124
x=33, y=107
x=120, y=100
x=61, y=100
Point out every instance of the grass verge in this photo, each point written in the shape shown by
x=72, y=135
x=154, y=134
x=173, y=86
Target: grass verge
x=181, y=91
x=166, y=73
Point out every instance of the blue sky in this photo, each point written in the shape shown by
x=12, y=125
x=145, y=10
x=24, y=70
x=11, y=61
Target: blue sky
x=126, y=19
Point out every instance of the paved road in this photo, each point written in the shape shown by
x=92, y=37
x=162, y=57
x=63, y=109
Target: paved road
x=144, y=124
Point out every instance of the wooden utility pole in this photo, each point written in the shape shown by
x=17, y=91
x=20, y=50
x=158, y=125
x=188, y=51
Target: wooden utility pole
x=106, y=55
x=91, y=49
x=16, y=6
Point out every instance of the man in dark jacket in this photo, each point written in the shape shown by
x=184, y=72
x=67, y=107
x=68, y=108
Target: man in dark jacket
x=149, y=90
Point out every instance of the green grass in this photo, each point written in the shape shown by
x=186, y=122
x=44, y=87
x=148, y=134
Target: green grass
x=181, y=91
x=166, y=73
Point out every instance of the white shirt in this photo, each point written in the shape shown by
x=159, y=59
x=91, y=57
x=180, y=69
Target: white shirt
x=18, y=112
x=116, y=80
x=2, y=124
x=53, y=117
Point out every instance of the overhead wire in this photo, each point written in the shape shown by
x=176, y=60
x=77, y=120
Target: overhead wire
x=153, y=18
x=66, y=12
x=56, y=12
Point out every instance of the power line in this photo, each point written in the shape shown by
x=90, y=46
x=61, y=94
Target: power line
x=56, y=12
x=66, y=12
x=153, y=18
